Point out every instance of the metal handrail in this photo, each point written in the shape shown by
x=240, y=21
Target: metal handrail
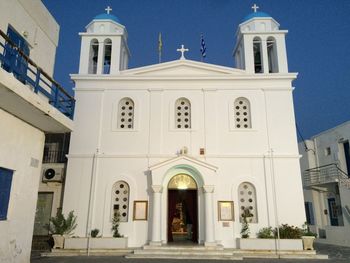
x=63, y=102
x=325, y=174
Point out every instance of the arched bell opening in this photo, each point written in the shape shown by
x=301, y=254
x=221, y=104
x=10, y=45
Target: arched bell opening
x=93, y=57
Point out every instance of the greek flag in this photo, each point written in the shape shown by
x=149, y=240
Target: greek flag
x=203, y=48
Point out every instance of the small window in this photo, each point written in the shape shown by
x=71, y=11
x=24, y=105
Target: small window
x=247, y=202
x=327, y=151
x=242, y=114
x=5, y=191
x=182, y=114
x=126, y=114
x=120, y=202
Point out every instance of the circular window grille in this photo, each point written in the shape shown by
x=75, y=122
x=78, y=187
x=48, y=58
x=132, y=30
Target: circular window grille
x=247, y=201
x=121, y=200
x=242, y=108
x=183, y=114
x=126, y=108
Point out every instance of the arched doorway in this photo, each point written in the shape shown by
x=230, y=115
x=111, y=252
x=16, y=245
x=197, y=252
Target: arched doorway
x=182, y=209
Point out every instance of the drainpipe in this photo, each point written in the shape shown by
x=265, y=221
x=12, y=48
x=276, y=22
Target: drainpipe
x=90, y=204
x=275, y=202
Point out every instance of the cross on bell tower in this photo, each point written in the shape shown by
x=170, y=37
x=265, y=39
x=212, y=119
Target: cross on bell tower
x=108, y=9
x=255, y=8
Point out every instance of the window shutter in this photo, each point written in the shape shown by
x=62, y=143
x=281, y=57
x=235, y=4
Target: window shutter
x=5, y=190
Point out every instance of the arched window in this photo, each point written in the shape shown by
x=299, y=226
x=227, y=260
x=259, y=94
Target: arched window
x=93, y=56
x=120, y=194
x=272, y=55
x=247, y=202
x=242, y=114
x=183, y=114
x=126, y=114
x=258, y=66
x=107, y=56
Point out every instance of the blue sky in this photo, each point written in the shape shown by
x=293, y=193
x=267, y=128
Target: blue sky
x=318, y=43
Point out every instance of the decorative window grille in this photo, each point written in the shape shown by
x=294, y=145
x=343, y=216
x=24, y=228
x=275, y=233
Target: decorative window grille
x=247, y=202
x=182, y=114
x=120, y=194
x=242, y=114
x=126, y=114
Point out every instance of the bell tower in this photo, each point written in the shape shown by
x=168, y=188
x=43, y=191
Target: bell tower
x=104, y=48
x=260, y=45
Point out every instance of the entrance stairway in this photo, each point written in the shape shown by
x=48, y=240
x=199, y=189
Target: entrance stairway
x=184, y=252
x=217, y=253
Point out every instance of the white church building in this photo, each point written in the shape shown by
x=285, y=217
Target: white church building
x=184, y=142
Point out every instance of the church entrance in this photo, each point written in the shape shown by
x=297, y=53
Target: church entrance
x=182, y=209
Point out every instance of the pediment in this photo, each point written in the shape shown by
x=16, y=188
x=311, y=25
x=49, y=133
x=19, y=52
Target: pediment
x=183, y=160
x=182, y=68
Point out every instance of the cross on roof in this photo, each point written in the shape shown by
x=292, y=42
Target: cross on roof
x=108, y=9
x=255, y=8
x=182, y=50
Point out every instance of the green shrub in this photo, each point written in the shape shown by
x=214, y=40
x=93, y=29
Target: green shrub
x=265, y=232
x=60, y=225
x=94, y=232
x=289, y=232
x=115, y=225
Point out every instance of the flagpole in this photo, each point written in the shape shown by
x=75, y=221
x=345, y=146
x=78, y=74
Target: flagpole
x=160, y=45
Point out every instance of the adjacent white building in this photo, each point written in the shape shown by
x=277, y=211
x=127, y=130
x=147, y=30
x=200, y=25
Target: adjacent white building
x=30, y=106
x=326, y=165
x=182, y=136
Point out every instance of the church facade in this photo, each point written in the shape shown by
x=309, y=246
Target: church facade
x=181, y=150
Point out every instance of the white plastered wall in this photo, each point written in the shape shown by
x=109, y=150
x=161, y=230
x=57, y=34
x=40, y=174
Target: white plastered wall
x=20, y=144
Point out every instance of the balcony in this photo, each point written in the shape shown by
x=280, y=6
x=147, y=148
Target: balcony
x=31, y=94
x=326, y=174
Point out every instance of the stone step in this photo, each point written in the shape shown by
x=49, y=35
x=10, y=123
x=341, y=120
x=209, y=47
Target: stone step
x=268, y=252
x=201, y=248
x=192, y=257
x=182, y=252
x=82, y=252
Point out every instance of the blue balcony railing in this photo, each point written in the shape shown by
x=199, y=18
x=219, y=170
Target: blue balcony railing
x=14, y=60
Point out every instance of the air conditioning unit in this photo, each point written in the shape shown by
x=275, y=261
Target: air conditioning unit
x=53, y=172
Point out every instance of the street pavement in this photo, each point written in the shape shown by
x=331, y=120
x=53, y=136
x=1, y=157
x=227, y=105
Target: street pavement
x=337, y=254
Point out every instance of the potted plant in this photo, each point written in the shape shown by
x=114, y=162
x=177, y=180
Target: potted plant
x=308, y=237
x=246, y=216
x=59, y=227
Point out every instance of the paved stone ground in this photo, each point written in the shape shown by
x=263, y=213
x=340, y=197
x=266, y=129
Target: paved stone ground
x=337, y=254
x=333, y=252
